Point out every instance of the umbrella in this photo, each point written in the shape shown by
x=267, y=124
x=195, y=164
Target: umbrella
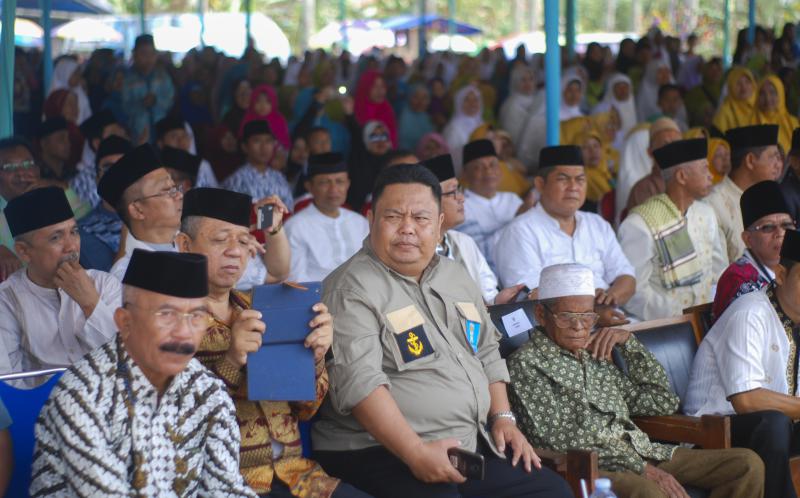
x=26, y=33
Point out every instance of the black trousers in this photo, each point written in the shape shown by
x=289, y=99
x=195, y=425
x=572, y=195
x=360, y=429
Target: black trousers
x=383, y=475
x=343, y=490
x=775, y=438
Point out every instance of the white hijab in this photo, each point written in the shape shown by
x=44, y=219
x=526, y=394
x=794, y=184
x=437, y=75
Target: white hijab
x=626, y=108
x=519, y=106
x=62, y=72
x=647, y=97
x=461, y=126
x=567, y=111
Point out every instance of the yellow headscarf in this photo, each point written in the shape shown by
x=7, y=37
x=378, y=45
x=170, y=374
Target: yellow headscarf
x=733, y=112
x=598, y=178
x=511, y=180
x=780, y=116
x=714, y=144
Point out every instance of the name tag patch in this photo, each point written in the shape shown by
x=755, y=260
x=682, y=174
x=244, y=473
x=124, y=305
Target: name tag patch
x=413, y=344
x=473, y=331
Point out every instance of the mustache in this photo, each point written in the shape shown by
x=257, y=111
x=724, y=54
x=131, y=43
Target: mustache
x=178, y=348
x=73, y=256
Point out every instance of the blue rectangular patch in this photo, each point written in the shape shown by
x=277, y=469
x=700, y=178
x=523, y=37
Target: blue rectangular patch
x=473, y=331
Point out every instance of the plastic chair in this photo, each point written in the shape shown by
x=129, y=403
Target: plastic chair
x=24, y=406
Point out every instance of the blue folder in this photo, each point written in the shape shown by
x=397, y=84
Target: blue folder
x=283, y=368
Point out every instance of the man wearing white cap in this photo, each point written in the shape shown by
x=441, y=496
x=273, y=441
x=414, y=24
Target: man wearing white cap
x=568, y=394
x=673, y=241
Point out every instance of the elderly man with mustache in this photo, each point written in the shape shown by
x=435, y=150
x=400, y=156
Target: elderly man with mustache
x=139, y=416
x=53, y=310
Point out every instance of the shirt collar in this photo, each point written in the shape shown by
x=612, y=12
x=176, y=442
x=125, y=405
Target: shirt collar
x=132, y=243
x=427, y=274
x=554, y=224
x=731, y=185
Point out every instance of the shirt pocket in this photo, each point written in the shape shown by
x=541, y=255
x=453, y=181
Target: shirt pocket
x=405, y=337
x=472, y=326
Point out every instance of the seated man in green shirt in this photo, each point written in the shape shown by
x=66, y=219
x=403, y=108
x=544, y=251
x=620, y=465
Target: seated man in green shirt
x=568, y=394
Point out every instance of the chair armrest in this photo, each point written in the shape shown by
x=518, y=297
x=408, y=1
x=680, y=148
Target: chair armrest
x=710, y=432
x=573, y=466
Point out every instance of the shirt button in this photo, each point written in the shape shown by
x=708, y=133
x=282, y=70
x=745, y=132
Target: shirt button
x=774, y=347
x=459, y=355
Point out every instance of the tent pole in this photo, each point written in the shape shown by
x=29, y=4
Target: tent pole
x=571, y=16
x=552, y=70
x=422, y=31
x=201, y=14
x=751, y=26
x=8, y=14
x=451, y=22
x=342, y=23
x=47, y=49
x=726, y=35
x=142, y=7
x=248, y=12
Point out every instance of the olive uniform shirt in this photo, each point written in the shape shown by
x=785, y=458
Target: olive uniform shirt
x=391, y=331
x=565, y=402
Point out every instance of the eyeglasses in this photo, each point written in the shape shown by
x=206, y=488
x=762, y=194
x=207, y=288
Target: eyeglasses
x=458, y=190
x=769, y=228
x=18, y=166
x=172, y=192
x=169, y=319
x=565, y=319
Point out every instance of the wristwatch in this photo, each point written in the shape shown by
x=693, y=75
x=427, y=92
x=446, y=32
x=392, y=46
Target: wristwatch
x=507, y=414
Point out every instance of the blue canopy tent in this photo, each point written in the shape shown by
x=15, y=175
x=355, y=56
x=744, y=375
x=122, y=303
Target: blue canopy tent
x=428, y=21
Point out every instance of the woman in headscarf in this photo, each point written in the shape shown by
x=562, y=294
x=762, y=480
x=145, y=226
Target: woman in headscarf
x=701, y=101
x=619, y=96
x=656, y=73
x=242, y=93
x=533, y=139
x=594, y=64
x=719, y=159
x=626, y=57
x=414, y=120
x=67, y=76
x=771, y=109
x=64, y=103
x=437, y=109
x=599, y=178
x=511, y=178
x=467, y=115
x=371, y=143
x=523, y=100
x=431, y=145
x=371, y=103
x=264, y=105
x=739, y=104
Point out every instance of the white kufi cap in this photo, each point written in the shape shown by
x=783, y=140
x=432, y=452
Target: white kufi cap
x=568, y=279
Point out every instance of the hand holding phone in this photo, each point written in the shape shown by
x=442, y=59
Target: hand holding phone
x=469, y=464
x=264, y=217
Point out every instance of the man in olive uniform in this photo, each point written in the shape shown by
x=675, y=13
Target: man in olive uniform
x=415, y=368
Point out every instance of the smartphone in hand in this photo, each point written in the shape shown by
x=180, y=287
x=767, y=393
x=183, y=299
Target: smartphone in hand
x=467, y=463
x=264, y=217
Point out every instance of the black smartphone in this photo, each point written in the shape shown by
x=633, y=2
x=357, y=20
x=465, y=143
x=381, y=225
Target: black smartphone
x=467, y=463
x=265, y=214
x=522, y=295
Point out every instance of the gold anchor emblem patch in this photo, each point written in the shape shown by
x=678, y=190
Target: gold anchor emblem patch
x=414, y=346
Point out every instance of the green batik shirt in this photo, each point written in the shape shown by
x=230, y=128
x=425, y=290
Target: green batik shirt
x=564, y=402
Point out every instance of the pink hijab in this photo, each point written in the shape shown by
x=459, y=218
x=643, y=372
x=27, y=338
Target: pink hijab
x=277, y=123
x=366, y=110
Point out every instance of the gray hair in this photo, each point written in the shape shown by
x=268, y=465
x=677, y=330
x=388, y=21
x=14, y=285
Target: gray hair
x=191, y=226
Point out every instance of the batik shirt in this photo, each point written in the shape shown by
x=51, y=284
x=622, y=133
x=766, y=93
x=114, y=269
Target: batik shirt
x=259, y=184
x=105, y=225
x=743, y=276
x=565, y=402
x=271, y=446
x=105, y=431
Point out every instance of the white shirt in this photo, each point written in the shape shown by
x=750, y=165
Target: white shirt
x=206, y=176
x=319, y=243
x=465, y=250
x=651, y=299
x=634, y=164
x=534, y=241
x=45, y=328
x=483, y=218
x=121, y=265
x=746, y=349
x=724, y=198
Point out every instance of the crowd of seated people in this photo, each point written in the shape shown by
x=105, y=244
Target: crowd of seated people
x=132, y=235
